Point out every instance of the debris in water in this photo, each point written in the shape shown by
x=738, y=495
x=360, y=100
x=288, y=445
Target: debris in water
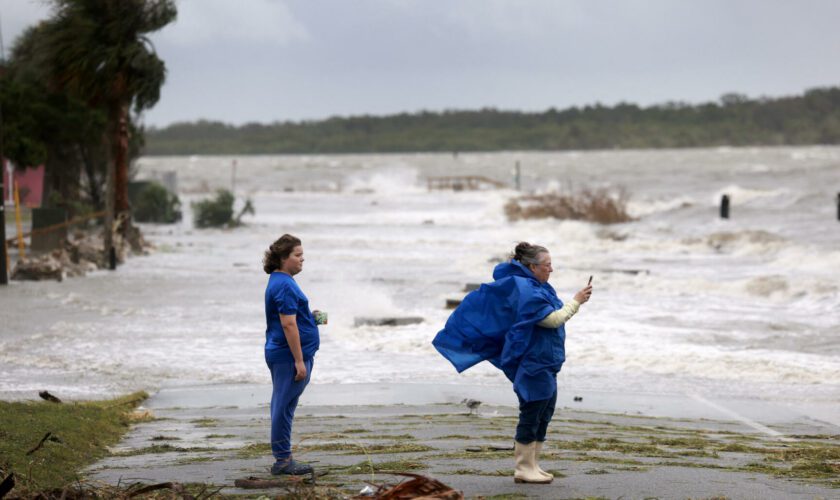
x=49, y=397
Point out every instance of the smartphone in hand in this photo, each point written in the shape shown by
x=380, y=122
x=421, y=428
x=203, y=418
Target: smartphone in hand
x=590, y=280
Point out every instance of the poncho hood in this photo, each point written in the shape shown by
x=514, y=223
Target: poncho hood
x=498, y=323
x=513, y=268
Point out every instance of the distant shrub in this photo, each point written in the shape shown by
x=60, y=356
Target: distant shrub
x=155, y=204
x=215, y=212
x=594, y=205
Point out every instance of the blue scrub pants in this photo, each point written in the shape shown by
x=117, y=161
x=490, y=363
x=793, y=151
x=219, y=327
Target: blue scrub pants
x=534, y=417
x=284, y=400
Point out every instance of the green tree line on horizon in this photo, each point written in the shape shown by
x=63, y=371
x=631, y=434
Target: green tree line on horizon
x=736, y=120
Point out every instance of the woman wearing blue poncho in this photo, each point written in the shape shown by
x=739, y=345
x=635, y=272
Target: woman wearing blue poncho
x=517, y=323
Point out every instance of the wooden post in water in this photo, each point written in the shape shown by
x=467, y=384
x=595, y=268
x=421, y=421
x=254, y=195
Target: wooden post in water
x=517, y=176
x=724, y=206
x=838, y=206
x=4, y=253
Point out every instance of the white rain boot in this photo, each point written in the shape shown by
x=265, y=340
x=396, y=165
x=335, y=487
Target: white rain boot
x=526, y=470
x=537, y=451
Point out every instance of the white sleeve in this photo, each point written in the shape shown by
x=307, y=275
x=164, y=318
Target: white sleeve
x=561, y=315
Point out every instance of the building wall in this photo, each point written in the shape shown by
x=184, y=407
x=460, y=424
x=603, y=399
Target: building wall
x=30, y=182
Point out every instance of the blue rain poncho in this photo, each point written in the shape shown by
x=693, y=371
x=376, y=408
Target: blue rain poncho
x=498, y=323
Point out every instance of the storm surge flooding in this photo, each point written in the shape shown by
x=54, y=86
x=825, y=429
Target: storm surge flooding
x=684, y=302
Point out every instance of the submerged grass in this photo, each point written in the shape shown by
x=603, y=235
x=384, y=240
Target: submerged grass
x=583, y=457
x=254, y=450
x=354, y=431
x=198, y=459
x=613, y=444
x=80, y=434
x=377, y=448
x=205, y=422
x=165, y=438
x=476, y=455
x=163, y=448
x=370, y=467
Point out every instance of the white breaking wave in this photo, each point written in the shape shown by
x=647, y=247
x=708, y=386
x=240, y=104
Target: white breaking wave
x=744, y=196
x=642, y=208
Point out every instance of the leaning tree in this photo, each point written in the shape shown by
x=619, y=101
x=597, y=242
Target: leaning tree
x=99, y=51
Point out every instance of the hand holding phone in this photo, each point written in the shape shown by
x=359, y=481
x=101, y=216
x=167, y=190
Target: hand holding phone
x=583, y=296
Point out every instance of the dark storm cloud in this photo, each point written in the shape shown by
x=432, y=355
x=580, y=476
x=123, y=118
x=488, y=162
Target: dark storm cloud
x=267, y=60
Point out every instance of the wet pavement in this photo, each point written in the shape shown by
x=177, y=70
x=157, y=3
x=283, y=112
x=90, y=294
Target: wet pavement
x=217, y=434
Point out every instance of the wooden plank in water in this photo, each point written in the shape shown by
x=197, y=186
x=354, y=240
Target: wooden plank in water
x=387, y=321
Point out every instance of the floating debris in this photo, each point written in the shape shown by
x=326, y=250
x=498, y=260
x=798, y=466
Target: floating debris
x=387, y=321
x=418, y=487
x=453, y=303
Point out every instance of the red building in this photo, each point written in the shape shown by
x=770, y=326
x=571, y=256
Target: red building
x=30, y=181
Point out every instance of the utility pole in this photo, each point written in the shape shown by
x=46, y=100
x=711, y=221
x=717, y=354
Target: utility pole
x=517, y=176
x=233, y=179
x=4, y=273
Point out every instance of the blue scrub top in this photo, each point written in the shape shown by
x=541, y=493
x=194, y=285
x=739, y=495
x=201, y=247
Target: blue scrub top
x=498, y=323
x=284, y=296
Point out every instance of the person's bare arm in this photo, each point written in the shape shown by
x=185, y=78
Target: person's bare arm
x=290, y=330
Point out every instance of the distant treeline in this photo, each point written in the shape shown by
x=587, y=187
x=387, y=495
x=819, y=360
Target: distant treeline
x=812, y=118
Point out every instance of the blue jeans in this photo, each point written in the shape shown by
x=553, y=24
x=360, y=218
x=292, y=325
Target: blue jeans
x=284, y=400
x=534, y=417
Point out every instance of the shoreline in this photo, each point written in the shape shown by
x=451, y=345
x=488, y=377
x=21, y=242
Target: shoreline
x=756, y=414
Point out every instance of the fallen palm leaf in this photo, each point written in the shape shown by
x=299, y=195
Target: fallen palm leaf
x=49, y=397
x=47, y=436
x=7, y=484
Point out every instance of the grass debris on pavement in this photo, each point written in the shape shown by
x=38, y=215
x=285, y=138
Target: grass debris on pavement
x=591, y=454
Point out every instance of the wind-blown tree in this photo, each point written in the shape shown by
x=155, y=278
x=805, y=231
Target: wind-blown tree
x=50, y=127
x=99, y=51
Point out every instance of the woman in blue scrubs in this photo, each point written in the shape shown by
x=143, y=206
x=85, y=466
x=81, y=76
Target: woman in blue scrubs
x=517, y=322
x=291, y=340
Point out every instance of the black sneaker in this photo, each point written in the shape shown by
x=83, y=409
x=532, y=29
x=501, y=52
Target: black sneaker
x=291, y=468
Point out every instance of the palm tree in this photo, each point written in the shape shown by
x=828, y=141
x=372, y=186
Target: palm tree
x=47, y=127
x=98, y=50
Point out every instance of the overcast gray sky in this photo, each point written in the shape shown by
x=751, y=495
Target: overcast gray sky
x=275, y=60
